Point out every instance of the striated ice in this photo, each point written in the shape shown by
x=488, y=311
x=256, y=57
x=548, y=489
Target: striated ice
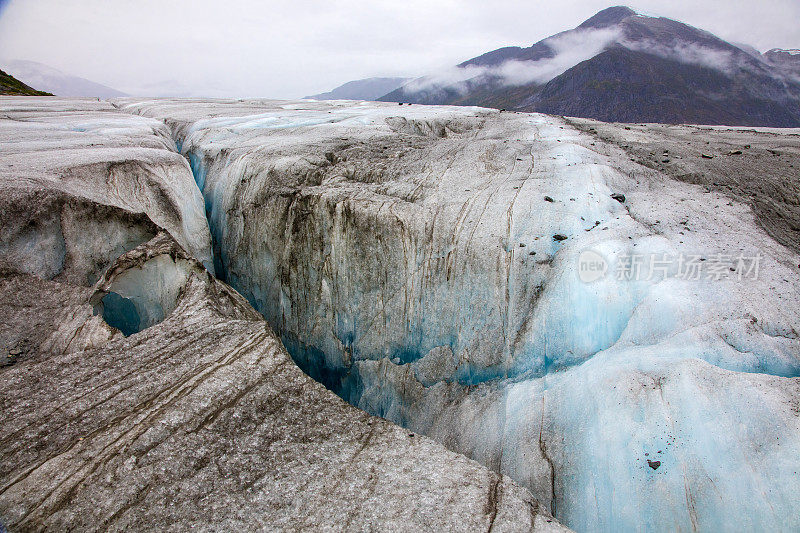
x=407, y=258
x=156, y=397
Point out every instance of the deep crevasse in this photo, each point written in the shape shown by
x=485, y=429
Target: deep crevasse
x=409, y=263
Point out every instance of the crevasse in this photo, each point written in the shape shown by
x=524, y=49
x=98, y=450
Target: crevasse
x=454, y=312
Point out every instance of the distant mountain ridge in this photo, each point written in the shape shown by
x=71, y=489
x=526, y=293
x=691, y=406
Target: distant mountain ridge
x=10, y=86
x=366, y=89
x=57, y=82
x=788, y=60
x=620, y=66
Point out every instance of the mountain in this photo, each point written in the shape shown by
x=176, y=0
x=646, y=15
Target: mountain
x=176, y=88
x=621, y=85
x=366, y=89
x=58, y=82
x=619, y=66
x=788, y=60
x=10, y=86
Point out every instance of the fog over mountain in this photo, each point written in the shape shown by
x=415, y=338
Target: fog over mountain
x=54, y=81
x=366, y=89
x=621, y=65
x=10, y=86
x=248, y=48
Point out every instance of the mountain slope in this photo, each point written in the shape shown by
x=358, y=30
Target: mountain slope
x=621, y=85
x=10, y=86
x=787, y=60
x=58, y=82
x=366, y=89
x=622, y=66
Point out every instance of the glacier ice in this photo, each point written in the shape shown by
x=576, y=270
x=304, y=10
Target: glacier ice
x=186, y=411
x=407, y=259
x=105, y=180
x=141, y=297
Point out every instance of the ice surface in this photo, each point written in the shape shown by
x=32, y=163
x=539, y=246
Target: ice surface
x=406, y=256
x=144, y=296
x=203, y=422
x=85, y=162
x=186, y=411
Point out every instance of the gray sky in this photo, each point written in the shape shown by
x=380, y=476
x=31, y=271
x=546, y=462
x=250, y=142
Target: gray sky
x=294, y=48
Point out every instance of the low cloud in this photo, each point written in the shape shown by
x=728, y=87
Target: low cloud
x=687, y=53
x=568, y=49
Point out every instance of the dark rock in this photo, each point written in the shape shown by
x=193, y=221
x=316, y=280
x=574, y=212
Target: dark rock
x=618, y=197
x=706, y=156
x=559, y=237
x=653, y=464
x=548, y=199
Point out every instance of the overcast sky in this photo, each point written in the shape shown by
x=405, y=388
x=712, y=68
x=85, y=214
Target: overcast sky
x=288, y=49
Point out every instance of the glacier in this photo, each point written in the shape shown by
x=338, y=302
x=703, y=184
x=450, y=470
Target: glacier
x=423, y=263
x=140, y=391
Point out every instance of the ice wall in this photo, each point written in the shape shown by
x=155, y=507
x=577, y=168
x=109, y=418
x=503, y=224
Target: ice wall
x=67, y=237
x=143, y=286
x=83, y=184
x=426, y=269
x=142, y=297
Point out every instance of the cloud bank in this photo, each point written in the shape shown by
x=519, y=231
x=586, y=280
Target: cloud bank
x=687, y=53
x=568, y=49
x=244, y=48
